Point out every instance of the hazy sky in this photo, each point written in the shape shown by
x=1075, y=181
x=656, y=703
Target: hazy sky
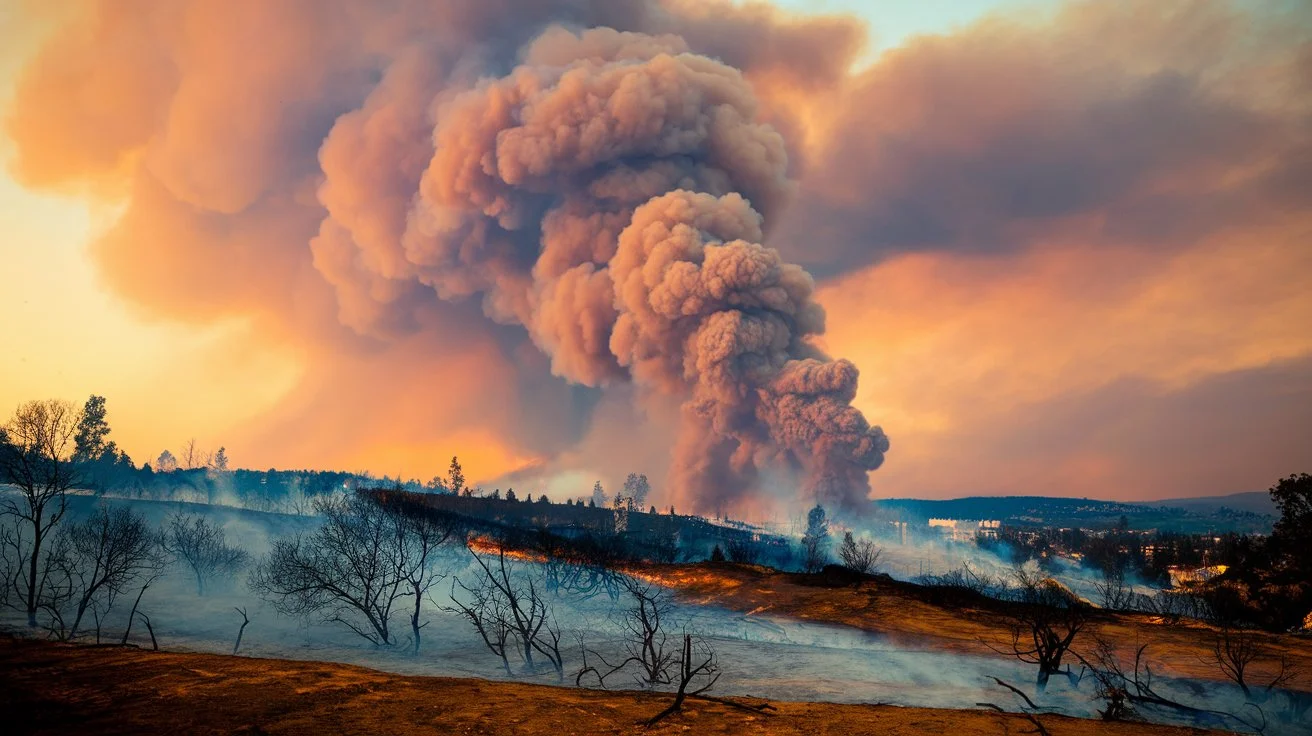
x=1068, y=250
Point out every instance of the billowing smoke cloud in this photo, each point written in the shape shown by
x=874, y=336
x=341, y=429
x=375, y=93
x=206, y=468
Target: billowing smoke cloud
x=355, y=177
x=438, y=208
x=604, y=194
x=1157, y=123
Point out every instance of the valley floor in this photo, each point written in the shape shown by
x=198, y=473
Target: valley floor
x=48, y=688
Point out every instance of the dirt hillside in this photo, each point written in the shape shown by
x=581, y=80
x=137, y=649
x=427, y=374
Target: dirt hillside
x=892, y=609
x=56, y=689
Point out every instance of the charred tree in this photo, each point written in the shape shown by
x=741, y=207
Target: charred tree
x=1046, y=618
x=244, y=621
x=36, y=448
x=202, y=548
x=646, y=642
x=1114, y=591
x=698, y=670
x=510, y=612
x=1235, y=651
x=422, y=538
x=106, y=553
x=859, y=556
x=351, y=571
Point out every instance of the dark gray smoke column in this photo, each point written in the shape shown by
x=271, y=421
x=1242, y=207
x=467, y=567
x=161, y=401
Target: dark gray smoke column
x=608, y=194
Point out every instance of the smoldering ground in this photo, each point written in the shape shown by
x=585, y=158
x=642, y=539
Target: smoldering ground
x=761, y=655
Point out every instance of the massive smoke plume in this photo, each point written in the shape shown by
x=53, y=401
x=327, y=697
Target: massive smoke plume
x=1045, y=237
x=598, y=193
x=608, y=194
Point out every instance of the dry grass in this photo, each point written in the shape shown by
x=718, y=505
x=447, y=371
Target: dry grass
x=52, y=688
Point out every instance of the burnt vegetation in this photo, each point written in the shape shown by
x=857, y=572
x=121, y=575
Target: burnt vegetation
x=201, y=547
x=510, y=611
x=379, y=558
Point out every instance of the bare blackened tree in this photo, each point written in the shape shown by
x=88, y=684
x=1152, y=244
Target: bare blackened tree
x=192, y=457
x=245, y=620
x=1171, y=605
x=859, y=556
x=580, y=580
x=57, y=586
x=689, y=666
x=1115, y=593
x=965, y=577
x=1046, y=618
x=646, y=642
x=665, y=547
x=422, y=535
x=1236, y=650
x=743, y=550
x=1112, y=683
x=508, y=608
x=1129, y=690
x=150, y=628
x=698, y=670
x=107, y=553
x=10, y=564
x=484, y=608
x=202, y=547
x=1029, y=709
x=36, y=448
x=148, y=579
x=350, y=570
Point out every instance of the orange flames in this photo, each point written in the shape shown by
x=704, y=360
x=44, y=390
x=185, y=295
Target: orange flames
x=488, y=546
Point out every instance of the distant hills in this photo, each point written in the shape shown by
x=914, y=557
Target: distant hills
x=1258, y=502
x=1240, y=512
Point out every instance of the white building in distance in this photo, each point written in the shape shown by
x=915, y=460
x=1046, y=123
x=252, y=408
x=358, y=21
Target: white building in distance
x=965, y=530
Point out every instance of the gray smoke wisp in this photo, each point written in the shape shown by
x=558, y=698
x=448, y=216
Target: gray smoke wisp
x=610, y=195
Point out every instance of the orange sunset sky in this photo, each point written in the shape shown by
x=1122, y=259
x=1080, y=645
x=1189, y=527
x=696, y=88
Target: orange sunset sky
x=1067, y=244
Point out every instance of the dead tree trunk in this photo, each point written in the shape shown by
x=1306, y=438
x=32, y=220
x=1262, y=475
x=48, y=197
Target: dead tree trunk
x=687, y=673
x=244, y=620
x=133, y=613
x=154, y=644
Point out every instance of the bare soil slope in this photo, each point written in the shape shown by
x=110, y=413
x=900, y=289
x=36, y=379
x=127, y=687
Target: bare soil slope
x=53, y=689
x=893, y=610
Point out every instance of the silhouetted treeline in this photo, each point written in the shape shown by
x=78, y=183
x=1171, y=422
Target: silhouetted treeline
x=571, y=531
x=265, y=490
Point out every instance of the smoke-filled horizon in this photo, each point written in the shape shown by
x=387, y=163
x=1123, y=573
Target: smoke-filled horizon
x=563, y=238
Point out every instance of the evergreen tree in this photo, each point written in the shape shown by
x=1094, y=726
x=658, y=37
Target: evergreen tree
x=221, y=460
x=92, y=429
x=816, y=539
x=598, y=496
x=456, y=476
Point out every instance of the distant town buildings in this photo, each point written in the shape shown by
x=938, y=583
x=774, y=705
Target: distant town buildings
x=966, y=530
x=1185, y=577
